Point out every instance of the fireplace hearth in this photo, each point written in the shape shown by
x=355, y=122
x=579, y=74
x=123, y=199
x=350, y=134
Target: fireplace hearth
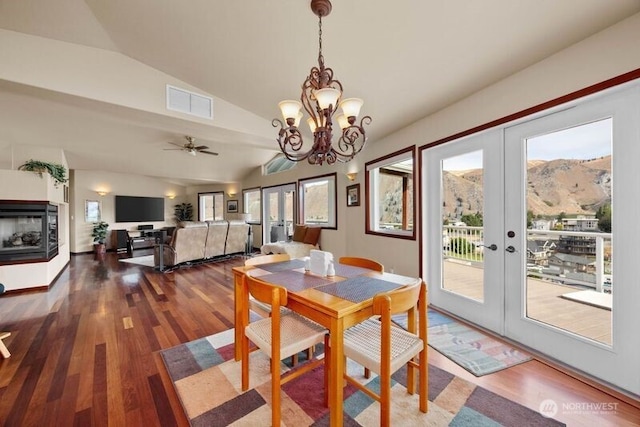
x=28, y=231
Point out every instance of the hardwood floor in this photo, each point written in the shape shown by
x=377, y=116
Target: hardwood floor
x=86, y=351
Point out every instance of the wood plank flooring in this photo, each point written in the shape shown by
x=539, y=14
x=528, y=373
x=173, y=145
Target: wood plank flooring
x=85, y=353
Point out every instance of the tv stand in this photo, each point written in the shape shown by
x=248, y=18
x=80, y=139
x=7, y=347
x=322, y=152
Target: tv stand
x=143, y=239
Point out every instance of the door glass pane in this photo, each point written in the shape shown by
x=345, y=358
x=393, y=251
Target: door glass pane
x=289, y=198
x=569, y=257
x=273, y=225
x=462, y=225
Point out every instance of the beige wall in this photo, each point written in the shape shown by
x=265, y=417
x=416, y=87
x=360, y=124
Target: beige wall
x=84, y=187
x=610, y=53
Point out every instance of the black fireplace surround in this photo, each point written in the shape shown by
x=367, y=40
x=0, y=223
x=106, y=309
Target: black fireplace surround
x=28, y=231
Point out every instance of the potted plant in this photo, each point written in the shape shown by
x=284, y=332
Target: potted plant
x=57, y=171
x=99, y=235
x=183, y=212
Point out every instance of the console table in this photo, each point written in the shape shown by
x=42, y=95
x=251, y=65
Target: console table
x=143, y=239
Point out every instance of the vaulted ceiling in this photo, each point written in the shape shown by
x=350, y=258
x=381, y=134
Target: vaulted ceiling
x=406, y=59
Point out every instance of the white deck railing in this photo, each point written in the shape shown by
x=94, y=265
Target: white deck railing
x=466, y=243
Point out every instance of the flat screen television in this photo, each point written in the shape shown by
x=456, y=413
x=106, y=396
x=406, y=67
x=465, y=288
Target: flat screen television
x=139, y=209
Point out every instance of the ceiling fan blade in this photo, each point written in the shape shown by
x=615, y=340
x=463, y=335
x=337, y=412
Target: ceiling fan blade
x=208, y=152
x=176, y=144
x=173, y=149
x=201, y=147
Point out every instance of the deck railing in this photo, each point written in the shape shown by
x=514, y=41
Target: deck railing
x=466, y=244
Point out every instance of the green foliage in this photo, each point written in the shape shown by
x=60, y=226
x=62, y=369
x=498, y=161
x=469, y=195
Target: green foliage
x=561, y=216
x=99, y=233
x=472, y=220
x=461, y=246
x=548, y=203
x=57, y=171
x=604, y=218
x=183, y=212
x=529, y=218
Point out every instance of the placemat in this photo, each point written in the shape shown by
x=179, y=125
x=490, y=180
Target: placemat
x=294, y=281
x=282, y=266
x=358, y=289
x=344, y=270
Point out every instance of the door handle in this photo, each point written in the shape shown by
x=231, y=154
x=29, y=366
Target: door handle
x=492, y=246
x=510, y=249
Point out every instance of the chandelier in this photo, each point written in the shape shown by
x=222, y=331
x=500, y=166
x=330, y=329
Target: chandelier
x=321, y=94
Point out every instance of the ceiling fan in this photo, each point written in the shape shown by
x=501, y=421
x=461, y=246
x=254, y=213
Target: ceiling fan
x=191, y=148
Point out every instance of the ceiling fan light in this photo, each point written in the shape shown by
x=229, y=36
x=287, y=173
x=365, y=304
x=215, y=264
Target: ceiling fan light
x=289, y=109
x=192, y=152
x=351, y=106
x=326, y=97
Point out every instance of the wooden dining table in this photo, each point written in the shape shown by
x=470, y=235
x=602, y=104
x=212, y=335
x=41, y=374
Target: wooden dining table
x=336, y=302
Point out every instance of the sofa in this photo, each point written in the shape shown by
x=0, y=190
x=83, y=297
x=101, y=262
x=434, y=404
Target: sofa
x=304, y=239
x=195, y=241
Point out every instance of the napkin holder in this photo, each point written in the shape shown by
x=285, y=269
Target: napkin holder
x=319, y=261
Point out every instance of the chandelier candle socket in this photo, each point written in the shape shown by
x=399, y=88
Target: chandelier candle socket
x=321, y=96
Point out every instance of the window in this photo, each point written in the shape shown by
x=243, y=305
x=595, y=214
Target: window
x=251, y=204
x=211, y=206
x=318, y=201
x=278, y=164
x=390, y=195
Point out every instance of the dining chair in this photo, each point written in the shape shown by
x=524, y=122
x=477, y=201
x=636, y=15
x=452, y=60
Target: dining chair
x=362, y=262
x=383, y=347
x=279, y=336
x=258, y=307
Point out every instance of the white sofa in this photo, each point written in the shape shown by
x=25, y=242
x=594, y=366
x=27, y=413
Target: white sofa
x=304, y=239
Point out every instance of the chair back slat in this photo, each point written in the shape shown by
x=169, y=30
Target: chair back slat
x=362, y=262
x=263, y=291
x=398, y=300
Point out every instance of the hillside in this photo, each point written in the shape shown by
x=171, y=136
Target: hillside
x=570, y=186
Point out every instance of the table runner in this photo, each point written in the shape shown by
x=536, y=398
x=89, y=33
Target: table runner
x=274, y=267
x=358, y=289
x=294, y=281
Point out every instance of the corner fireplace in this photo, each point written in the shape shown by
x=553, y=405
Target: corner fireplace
x=28, y=231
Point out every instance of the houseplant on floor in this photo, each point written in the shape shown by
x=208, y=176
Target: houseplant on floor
x=99, y=235
x=183, y=212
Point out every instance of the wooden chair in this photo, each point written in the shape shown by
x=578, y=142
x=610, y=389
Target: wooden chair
x=362, y=262
x=3, y=348
x=279, y=336
x=262, y=309
x=384, y=348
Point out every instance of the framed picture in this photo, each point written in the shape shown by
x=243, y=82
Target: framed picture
x=353, y=195
x=232, y=206
x=91, y=211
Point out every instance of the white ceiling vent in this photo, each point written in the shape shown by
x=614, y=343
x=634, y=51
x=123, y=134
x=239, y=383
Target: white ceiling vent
x=189, y=103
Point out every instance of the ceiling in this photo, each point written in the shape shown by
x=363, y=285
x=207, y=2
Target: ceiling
x=406, y=59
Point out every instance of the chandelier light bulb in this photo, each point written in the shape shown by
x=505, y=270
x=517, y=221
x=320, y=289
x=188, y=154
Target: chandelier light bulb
x=351, y=106
x=290, y=109
x=342, y=121
x=312, y=124
x=298, y=118
x=326, y=97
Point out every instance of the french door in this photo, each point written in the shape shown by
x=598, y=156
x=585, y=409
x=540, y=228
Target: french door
x=539, y=233
x=278, y=204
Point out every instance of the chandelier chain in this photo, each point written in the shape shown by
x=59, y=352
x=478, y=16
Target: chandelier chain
x=320, y=57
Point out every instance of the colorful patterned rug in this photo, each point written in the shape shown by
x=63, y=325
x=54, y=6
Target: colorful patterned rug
x=478, y=353
x=207, y=380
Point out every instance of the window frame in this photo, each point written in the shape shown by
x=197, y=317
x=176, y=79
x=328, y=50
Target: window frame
x=246, y=191
x=213, y=194
x=372, y=167
x=332, y=209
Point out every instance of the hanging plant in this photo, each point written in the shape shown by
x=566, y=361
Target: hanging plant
x=57, y=171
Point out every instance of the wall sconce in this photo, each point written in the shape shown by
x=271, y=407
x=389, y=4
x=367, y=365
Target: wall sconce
x=232, y=195
x=171, y=196
x=352, y=176
x=102, y=193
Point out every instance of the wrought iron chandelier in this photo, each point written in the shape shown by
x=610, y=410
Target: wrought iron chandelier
x=321, y=95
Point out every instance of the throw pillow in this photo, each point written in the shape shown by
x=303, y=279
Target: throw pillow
x=299, y=232
x=312, y=235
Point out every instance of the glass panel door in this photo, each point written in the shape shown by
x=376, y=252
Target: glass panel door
x=279, y=213
x=565, y=295
x=464, y=205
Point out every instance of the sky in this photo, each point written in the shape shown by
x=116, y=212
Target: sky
x=582, y=142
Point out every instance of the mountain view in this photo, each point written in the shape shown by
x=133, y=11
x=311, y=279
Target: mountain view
x=569, y=186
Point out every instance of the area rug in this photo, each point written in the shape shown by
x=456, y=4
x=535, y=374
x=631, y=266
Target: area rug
x=207, y=381
x=146, y=260
x=475, y=351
